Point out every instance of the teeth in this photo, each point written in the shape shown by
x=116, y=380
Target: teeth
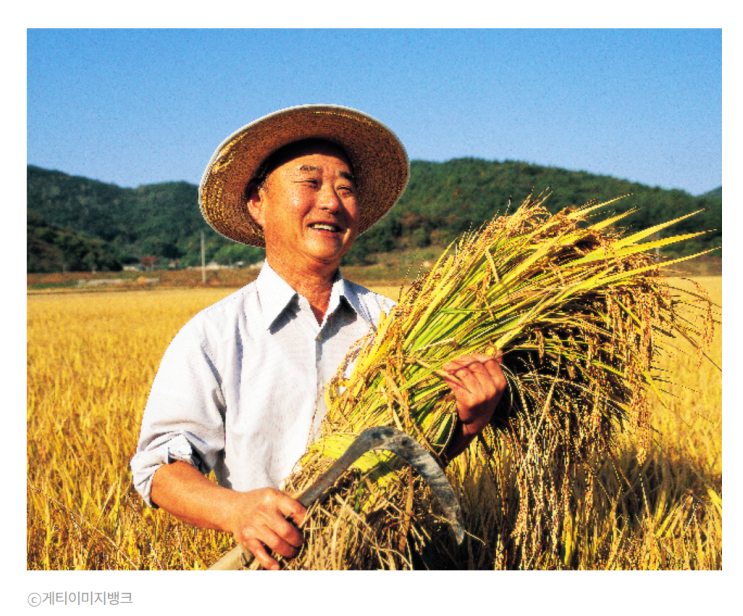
x=324, y=227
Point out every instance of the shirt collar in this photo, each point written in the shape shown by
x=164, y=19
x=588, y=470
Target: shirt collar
x=348, y=291
x=276, y=294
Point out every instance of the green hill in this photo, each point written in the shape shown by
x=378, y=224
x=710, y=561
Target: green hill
x=441, y=201
x=714, y=194
x=50, y=248
x=444, y=199
x=160, y=220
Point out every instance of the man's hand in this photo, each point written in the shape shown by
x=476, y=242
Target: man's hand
x=260, y=519
x=478, y=383
x=257, y=519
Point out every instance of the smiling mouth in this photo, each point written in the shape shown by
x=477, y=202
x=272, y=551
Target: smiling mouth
x=321, y=226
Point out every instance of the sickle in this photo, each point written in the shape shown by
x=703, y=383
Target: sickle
x=387, y=439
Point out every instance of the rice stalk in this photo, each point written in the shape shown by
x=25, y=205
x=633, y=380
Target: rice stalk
x=582, y=316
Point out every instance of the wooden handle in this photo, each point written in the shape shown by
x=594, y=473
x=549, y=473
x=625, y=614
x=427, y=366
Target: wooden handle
x=237, y=558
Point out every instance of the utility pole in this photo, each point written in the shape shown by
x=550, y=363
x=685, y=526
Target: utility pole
x=203, y=262
x=657, y=248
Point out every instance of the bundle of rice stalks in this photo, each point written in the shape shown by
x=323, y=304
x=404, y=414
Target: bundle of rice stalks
x=581, y=314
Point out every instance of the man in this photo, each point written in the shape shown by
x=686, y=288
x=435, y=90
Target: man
x=239, y=390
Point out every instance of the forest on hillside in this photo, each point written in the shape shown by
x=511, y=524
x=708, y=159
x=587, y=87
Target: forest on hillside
x=78, y=224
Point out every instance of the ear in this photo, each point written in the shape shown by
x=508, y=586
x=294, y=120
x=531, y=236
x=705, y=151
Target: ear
x=255, y=202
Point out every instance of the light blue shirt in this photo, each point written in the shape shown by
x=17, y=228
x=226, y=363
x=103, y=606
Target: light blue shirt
x=240, y=389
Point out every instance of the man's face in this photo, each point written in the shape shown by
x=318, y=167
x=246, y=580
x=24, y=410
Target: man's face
x=307, y=209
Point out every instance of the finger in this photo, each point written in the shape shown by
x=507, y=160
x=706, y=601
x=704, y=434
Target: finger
x=477, y=380
x=481, y=369
x=488, y=361
x=455, y=364
x=496, y=374
x=491, y=379
x=286, y=532
x=452, y=381
x=493, y=365
x=459, y=367
x=274, y=527
x=465, y=360
x=291, y=508
x=476, y=405
x=487, y=370
x=258, y=550
x=277, y=544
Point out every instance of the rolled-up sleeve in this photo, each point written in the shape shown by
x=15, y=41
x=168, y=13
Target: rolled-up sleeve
x=184, y=416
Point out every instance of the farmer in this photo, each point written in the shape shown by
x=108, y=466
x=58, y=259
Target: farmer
x=239, y=390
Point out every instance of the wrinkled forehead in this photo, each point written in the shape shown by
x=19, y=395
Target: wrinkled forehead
x=297, y=149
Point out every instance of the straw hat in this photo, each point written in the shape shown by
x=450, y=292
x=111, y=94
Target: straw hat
x=379, y=161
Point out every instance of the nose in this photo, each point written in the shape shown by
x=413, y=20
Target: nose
x=329, y=199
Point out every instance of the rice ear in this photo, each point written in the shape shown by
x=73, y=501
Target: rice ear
x=580, y=314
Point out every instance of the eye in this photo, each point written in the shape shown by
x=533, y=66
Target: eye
x=307, y=181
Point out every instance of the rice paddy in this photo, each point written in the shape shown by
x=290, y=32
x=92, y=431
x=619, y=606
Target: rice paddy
x=91, y=361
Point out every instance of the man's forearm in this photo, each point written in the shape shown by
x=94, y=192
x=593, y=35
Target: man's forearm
x=183, y=491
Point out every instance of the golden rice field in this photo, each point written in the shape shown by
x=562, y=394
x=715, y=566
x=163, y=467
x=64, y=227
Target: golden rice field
x=92, y=358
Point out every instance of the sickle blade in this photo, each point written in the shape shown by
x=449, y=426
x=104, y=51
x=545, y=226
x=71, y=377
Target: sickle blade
x=407, y=448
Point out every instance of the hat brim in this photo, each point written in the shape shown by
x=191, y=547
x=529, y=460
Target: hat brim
x=380, y=163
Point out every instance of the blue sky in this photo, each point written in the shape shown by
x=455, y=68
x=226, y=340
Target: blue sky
x=137, y=107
